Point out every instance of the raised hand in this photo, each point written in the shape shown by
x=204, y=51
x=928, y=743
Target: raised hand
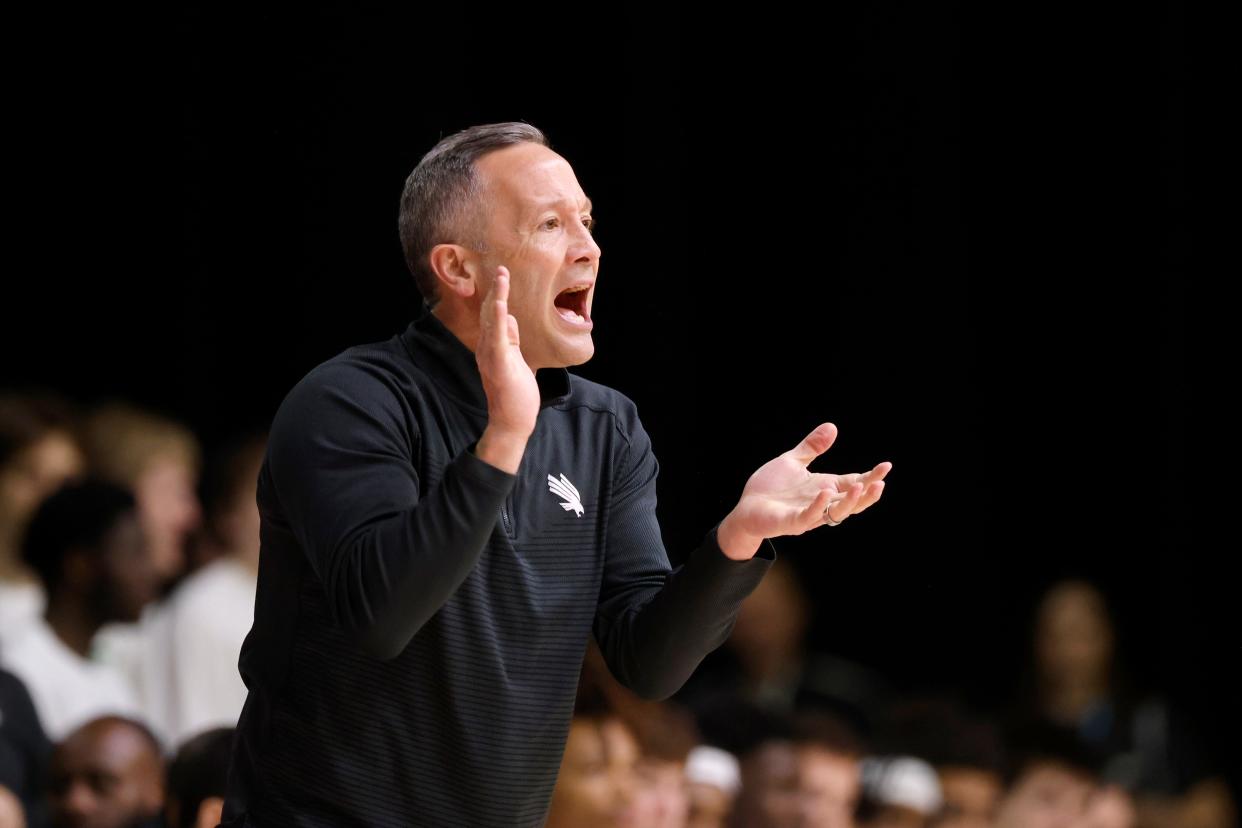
x=784, y=498
x=509, y=383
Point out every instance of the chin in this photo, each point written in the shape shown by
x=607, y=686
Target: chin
x=568, y=357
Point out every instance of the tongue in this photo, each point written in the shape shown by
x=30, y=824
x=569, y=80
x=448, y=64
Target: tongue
x=571, y=315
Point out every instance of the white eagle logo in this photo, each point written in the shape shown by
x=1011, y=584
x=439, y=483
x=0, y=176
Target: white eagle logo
x=563, y=488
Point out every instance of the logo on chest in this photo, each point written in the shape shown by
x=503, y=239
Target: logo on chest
x=564, y=489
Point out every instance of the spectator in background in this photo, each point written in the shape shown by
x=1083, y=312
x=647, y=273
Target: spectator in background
x=713, y=778
x=158, y=460
x=196, y=781
x=598, y=776
x=109, y=773
x=802, y=773
x=87, y=546
x=24, y=751
x=39, y=451
x=898, y=792
x=767, y=663
x=965, y=750
x=1148, y=747
x=193, y=640
x=1049, y=782
x=666, y=734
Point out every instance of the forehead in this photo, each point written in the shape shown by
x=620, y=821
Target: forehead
x=112, y=748
x=529, y=176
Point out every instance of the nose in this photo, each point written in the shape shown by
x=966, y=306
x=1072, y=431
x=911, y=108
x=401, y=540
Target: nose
x=584, y=248
x=77, y=803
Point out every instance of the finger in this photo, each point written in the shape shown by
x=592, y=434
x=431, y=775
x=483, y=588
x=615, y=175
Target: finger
x=880, y=471
x=513, y=331
x=845, y=508
x=500, y=309
x=814, y=512
x=501, y=284
x=814, y=444
x=870, y=496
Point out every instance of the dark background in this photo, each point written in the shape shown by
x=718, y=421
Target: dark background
x=957, y=235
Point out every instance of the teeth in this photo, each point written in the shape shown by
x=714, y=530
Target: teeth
x=577, y=289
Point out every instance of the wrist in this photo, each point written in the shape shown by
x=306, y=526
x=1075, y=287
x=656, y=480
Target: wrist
x=502, y=449
x=734, y=543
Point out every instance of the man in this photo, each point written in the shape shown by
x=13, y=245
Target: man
x=1051, y=781
x=802, y=771
x=109, y=773
x=86, y=543
x=447, y=516
x=598, y=780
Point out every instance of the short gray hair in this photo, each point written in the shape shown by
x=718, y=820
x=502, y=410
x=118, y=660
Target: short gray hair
x=440, y=203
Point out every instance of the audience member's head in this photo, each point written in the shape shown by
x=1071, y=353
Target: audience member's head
x=158, y=460
x=39, y=451
x=107, y=774
x=196, y=780
x=802, y=772
x=231, y=513
x=966, y=751
x=1049, y=781
x=1074, y=646
x=597, y=780
x=666, y=735
x=87, y=546
x=769, y=633
x=713, y=779
x=898, y=792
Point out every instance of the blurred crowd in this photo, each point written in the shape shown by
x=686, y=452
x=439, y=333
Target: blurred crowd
x=128, y=568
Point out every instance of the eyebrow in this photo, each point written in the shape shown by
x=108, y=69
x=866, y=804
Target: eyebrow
x=546, y=204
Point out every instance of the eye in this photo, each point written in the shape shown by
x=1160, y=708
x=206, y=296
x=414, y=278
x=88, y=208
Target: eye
x=551, y=223
x=589, y=222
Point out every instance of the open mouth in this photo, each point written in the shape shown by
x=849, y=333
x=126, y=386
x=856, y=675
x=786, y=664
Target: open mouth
x=571, y=304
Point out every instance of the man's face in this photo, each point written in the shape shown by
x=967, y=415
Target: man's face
x=1045, y=796
x=129, y=579
x=105, y=775
x=789, y=786
x=833, y=782
x=661, y=800
x=537, y=224
x=596, y=783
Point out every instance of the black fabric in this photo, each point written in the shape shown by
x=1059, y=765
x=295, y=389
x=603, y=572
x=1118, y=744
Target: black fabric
x=24, y=749
x=422, y=616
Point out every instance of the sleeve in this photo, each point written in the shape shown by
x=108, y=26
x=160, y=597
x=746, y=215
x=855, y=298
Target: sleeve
x=655, y=624
x=388, y=552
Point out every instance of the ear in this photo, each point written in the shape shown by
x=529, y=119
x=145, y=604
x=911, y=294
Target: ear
x=457, y=269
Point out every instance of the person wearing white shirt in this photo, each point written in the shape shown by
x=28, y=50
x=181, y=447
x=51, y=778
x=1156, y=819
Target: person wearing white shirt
x=87, y=546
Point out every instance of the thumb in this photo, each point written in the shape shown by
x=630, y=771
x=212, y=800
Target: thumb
x=815, y=443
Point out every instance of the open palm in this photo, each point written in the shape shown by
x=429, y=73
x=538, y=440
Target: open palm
x=784, y=498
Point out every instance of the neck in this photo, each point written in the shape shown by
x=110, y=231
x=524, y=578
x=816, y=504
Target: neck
x=72, y=623
x=462, y=320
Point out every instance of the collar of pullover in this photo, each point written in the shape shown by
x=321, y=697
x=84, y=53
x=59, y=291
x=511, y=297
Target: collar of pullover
x=438, y=350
